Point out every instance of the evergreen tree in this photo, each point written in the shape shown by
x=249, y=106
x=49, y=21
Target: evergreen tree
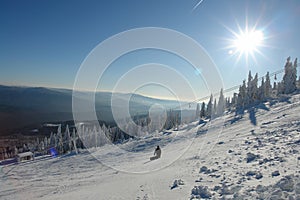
x=248, y=95
x=51, y=140
x=67, y=140
x=249, y=80
x=215, y=107
x=42, y=147
x=95, y=137
x=101, y=136
x=221, y=104
x=280, y=88
x=268, y=86
x=227, y=104
x=295, y=71
x=59, y=140
x=242, y=95
x=254, y=89
x=262, y=90
x=74, y=140
x=139, y=128
x=46, y=144
x=234, y=99
x=209, y=107
x=290, y=76
x=37, y=145
x=202, y=112
x=16, y=151
x=274, y=86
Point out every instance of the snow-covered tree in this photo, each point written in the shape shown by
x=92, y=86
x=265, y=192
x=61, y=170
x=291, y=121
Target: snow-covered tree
x=203, y=111
x=51, y=140
x=4, y=153
x=221, y=104
x=59, y=140
x=227, y=102
x=139, y=128
x=268, y=86
x=214, y=108
x=262, y=90
x=169, y=123
x=46, y=143
x=242, y=96
x=37, y=144
x=248, y=95
x=289, y=77
x=234, y=100
x=209, y=108
x=74, y=141
x=254, y=89
x=295, y=69
x=41, y=146
x=67, y=140
x=274, y=85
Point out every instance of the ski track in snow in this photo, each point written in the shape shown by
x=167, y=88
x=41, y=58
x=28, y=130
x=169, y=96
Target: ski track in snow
x=122, y=171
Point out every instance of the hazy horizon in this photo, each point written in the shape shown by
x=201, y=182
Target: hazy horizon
x=101, y=91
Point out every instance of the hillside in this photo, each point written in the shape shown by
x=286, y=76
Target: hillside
x=28, y=106
x=251, y=155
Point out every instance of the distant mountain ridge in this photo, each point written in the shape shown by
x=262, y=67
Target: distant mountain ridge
x=21, y=106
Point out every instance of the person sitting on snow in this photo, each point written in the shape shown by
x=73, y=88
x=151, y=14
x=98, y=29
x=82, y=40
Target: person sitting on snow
x=157, y=153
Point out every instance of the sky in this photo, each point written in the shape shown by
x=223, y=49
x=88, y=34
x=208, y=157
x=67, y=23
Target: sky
x=44, y=43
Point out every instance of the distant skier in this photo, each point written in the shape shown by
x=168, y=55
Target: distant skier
x=157, y=153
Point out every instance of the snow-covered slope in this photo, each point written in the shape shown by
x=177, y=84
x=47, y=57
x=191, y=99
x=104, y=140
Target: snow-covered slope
x=250, y=155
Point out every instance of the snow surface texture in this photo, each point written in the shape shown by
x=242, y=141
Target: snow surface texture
x=254, y=155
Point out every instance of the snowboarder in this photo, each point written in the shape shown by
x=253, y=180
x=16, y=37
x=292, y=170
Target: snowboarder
x=157, y=153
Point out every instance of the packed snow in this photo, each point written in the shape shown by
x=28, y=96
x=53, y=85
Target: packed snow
x=254, y=154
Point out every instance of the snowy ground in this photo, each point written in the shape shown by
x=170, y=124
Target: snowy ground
x=252, y=155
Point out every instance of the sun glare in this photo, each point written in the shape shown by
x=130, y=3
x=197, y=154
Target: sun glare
x=248, y=42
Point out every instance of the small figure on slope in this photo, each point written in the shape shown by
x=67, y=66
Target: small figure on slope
x=157, y=153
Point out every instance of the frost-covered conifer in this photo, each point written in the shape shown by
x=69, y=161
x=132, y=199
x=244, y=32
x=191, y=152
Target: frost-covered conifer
x=290, y=77
x=268, y=86
x=221, y=104
x=242, y=96
x=214, y=108
x=209, y=107
x=202, y=111
x=262, y=90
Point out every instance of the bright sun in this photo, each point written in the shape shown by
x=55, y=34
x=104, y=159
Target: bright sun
x=246, y=42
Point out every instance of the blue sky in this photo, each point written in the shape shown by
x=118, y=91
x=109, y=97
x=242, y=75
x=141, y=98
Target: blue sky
x=43, y=43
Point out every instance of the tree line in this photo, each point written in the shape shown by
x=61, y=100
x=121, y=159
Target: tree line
x=251, y=92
